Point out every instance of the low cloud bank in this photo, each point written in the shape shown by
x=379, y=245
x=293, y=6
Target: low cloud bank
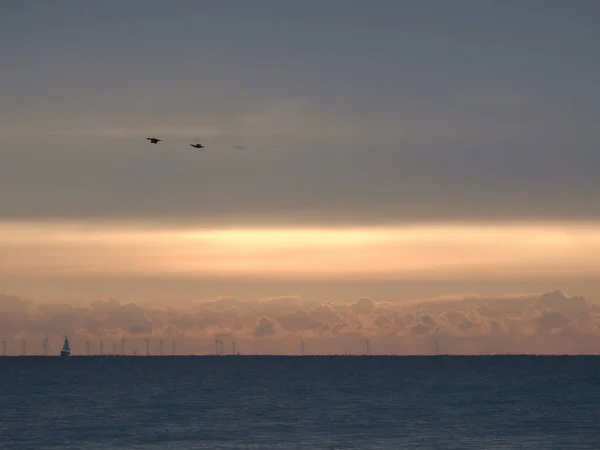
x=552, y=322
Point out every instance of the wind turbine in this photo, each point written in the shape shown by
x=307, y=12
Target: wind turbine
x=102, y=344
x=437, y=345
x=45, y=345
x=366, y=341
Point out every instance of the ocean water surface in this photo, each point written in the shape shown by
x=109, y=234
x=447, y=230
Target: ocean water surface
x=311, y=402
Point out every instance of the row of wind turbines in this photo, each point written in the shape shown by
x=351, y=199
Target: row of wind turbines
x=219, y=348
x=45, y=348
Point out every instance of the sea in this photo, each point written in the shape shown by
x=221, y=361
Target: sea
x=302, y=402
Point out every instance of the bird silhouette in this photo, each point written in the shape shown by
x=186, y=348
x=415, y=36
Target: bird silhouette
x=154, y=140
x=197, y=145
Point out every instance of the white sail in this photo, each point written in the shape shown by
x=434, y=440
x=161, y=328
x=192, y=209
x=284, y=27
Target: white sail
x=66, y=350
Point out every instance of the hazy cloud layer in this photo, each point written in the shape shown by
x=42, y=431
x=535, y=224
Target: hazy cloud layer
x=549, y=323
x=370, y=117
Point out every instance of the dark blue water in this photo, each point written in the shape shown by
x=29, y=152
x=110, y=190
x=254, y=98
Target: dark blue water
x=501, y=402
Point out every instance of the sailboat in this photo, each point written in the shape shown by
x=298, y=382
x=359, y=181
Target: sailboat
x=66, y=350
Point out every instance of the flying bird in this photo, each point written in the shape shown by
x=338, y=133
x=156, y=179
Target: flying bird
x=154, y=140
x=197, y=145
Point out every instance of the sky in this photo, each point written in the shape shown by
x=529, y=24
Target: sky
x=393, y=151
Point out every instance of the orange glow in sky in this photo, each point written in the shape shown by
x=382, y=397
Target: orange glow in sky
x=439, y=251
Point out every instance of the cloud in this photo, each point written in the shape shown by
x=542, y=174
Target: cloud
x=574, y=306
x=10, y=304
x=130, y=318
x=363, y=306
x=281, y=304
x=457, y=319
x=323, y=152
x=264, y=328
x=425, y=323
x=283, y=118
x=551, y=322
x=164, y=131
x=295, y=322
x=394, y=141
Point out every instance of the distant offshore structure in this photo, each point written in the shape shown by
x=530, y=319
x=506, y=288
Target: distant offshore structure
x=87, y=347
x=66, y=350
